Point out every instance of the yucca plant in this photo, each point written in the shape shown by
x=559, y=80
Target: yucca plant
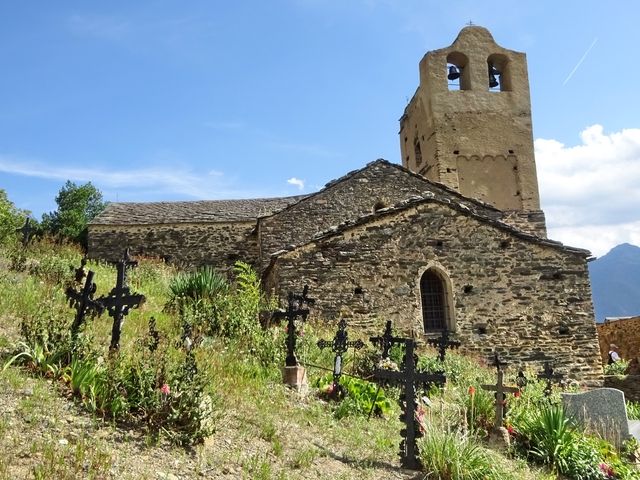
x=550, y=436
x=202, y=285
x=450, y=455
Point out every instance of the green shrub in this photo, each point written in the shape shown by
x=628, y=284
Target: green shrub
x=617, y=368
x=633, y=410
x=450, y=455
x=361, y=397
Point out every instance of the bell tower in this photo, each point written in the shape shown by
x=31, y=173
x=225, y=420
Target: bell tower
x=468, y=126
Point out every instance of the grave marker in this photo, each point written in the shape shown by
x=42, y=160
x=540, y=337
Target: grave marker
x=409, y=377
x=386, y=340
x=84, y=303
x=339, y=345
x=550, y=376
x=297, y=307
x=120, y=300
x=500, y=390
x=442, y=343
x=26, y=231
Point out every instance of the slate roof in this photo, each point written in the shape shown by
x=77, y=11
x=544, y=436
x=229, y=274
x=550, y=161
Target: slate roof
x=430, y=198
x=203, y=211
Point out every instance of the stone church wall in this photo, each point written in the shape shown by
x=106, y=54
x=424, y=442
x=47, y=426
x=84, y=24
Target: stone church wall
x=515, y=294
x=625, y=333
x=378, y=186
x=216, y=244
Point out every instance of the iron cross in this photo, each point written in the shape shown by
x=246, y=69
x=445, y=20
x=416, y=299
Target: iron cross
x=118, y=303
x=297, y=306
x=409, y=377
x=550, y=376
x=386, y=341
x=339, y=345
x=26, y=232
x=84, y=303
x=442, y=343
x=500, y=390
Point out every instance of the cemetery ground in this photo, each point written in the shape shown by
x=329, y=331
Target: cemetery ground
x=198, y=392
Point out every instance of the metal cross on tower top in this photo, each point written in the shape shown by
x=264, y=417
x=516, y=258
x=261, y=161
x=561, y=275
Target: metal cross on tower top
x=500, y=390
x=442, y=343
x=550, y=376
x=84, y=303
x=339, y=345
x=386, y=341
x=119, y=301
x=409, y=377
x=297, y=307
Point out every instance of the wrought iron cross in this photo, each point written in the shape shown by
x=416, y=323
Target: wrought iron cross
x=118, y=303
x=409, y=377
x=80, y=272
x=296, y=307
x=26, y=232
x=550, y=376
x=386, y=340
x=442, y=343
x=500, y=390
x=84, y=303
x=339, y=345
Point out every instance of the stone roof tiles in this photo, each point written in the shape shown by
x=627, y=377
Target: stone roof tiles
x=430, y=198
x=202, y=211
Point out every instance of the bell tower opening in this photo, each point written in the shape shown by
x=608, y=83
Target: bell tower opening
x=471, y=112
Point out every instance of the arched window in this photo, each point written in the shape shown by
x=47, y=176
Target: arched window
x=499, y=74
x=458, y=77
x=435, y=308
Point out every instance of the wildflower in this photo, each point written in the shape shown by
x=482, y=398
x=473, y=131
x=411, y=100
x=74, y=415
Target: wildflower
x=607, y=470
x=517, y=394
x=329, y=389
x=472, y=390
x=164, y=389
x=510, y=429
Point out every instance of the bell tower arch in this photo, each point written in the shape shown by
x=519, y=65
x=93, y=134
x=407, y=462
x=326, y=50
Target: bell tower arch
x=471, y=116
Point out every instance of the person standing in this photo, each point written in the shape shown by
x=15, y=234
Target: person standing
x=613, y=354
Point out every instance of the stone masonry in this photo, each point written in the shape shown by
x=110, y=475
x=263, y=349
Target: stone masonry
x=506, y=290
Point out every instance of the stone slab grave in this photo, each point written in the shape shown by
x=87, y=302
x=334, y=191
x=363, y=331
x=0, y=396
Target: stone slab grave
x=604, y=411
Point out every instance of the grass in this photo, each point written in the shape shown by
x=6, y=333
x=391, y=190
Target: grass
x=277, y=433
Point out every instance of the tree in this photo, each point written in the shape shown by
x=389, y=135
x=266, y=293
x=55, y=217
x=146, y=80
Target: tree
x=11, y=218
x=77, y=206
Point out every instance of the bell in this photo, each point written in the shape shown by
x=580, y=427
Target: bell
x=493, y=82
x=453, y=73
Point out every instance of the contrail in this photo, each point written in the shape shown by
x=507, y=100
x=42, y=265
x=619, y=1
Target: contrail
x=595, y=40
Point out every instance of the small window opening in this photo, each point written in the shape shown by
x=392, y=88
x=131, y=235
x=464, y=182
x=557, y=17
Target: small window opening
x=468, y=288
x=418, y=151
x=358, y=291
x=498, y=73
x=510, y=151
x=434, y=301
x=456, y=152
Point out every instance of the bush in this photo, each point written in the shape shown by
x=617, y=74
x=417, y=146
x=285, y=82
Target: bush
x=453, y=456
x=617, y=368
x=361, y=397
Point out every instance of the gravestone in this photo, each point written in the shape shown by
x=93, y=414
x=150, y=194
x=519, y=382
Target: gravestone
x=602, y=410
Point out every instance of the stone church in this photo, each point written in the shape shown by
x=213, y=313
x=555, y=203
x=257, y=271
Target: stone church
x=454, y=238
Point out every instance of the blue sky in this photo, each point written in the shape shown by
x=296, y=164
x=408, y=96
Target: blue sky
x=168, y=100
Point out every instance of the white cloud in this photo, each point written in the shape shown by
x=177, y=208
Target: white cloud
x=99, y=26
x=591, y=192
x=183, y=181
x=296, y=181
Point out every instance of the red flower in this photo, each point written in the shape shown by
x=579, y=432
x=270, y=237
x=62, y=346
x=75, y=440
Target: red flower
x=164, y=389
x=472, y=390
x=510, y=429
x=517, y=394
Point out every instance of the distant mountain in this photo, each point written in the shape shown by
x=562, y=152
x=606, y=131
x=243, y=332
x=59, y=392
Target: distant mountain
x=615, y=282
